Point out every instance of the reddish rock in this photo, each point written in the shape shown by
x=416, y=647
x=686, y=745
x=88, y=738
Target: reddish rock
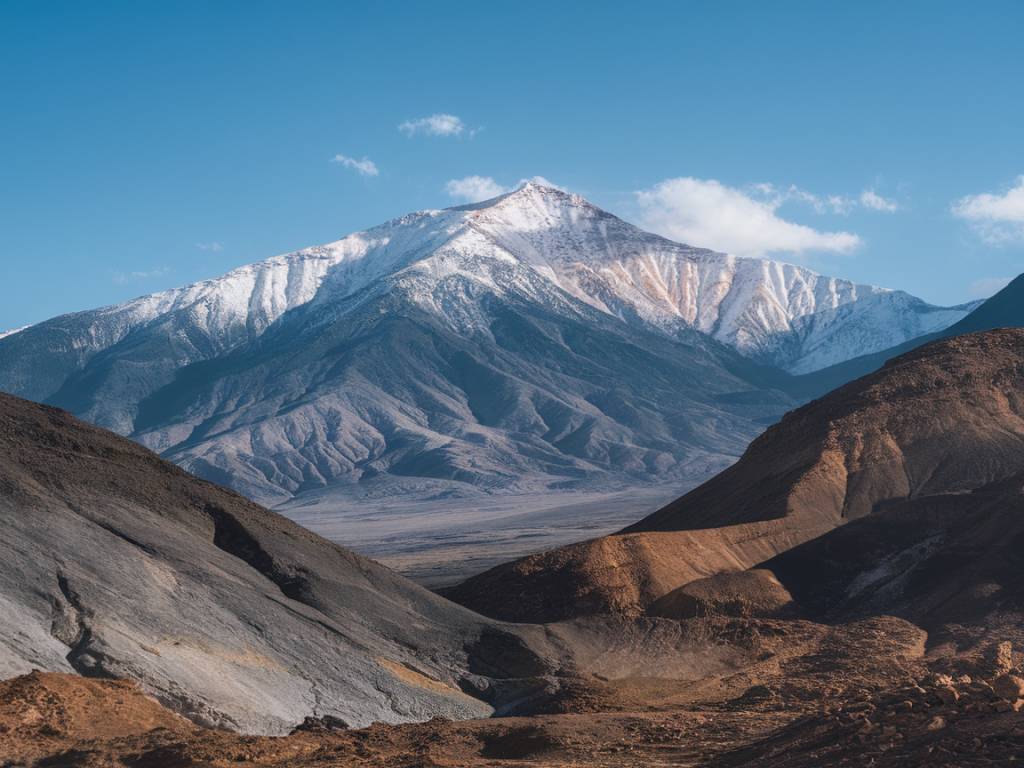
x=1009, y=687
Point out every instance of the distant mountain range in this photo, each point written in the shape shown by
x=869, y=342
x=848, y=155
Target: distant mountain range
x=532, y=341
x=1004, y=310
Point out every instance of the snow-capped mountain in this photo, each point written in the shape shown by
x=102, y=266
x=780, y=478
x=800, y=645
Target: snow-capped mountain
x=533, y=339
x=776, y=313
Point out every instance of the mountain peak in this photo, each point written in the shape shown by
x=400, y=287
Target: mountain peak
x=530, y=192
x=540, y=188
x=541, y=249
x=537, y=205
x=532, y=184
x=542, y=185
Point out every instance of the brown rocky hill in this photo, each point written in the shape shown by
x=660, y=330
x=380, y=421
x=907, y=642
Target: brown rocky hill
x=936, y=560
x=947, y=418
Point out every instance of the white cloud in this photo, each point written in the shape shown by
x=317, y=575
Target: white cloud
x=125, y=278
x=833, y=203
x=997, y=218
x=434, y=125
x=775, y=197
x=473, y=189
x=838, y=204
x=213, y=247
x=871, y=199
x=364, y=167
x=987, y=286
x=705, y=212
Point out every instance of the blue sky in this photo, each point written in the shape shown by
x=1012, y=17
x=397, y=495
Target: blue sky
x=147, y=145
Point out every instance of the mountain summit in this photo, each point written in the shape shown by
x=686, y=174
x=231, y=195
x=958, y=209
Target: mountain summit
x=529, y=341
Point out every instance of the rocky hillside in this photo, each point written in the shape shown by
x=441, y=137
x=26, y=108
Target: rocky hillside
x=939, y=558
x=943, y=422
x=119, y=564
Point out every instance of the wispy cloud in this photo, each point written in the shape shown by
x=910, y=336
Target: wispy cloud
x=364, y=167
x=707, y=213
x=987, y=286
x=126, y=278
x=435, y=125
x=213, y=247
x=871, y=199
x=998, y=218
x=473, y=189
x=838, y=204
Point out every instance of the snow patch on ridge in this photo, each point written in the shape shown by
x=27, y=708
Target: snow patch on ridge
x=5, y=334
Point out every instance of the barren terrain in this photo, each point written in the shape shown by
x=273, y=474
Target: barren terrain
x=850, y=593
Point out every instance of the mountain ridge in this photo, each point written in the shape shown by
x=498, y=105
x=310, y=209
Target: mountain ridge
x=261, y=287
x=1003, y=310
x=528, y=291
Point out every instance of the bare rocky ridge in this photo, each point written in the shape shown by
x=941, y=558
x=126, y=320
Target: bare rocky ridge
x=948, y=417
x=119, y=564
x=933, y=427
x=622, y=573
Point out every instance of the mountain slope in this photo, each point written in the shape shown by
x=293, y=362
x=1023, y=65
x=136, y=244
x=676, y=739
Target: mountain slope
x=120, y=564
x=535, y=394
x=531, y=341
x=945, y=419
x=777, y=314
x=1004, y=310
x=947, y=416
x=936, y=559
